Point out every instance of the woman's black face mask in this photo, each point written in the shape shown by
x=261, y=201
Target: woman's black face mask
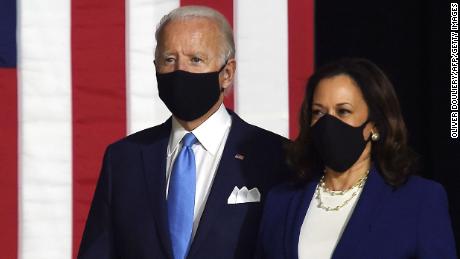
x=338, y=144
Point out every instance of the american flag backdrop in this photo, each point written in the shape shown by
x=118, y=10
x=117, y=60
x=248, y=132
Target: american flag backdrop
x=76, y=75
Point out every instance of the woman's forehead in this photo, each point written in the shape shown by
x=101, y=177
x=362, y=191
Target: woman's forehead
x=338, y=89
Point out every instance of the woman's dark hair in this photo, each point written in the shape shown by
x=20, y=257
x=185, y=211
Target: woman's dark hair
x=390, y=153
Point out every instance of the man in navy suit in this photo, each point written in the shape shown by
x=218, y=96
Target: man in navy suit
x=194, y=186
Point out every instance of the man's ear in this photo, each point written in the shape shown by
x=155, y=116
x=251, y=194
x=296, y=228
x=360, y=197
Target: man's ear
x=228, y=74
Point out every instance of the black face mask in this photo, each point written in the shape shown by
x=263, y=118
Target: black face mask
x=338, y=144
x=189, y=95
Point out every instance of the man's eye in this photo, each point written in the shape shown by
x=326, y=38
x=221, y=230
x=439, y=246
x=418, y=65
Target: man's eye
x=196, y=60
x=169, y=60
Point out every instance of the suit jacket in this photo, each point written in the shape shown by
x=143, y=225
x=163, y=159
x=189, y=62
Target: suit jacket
x=128, y=216
x=411, y=221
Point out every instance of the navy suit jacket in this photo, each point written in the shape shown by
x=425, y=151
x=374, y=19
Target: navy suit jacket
x=128, y=216
x=409, y=222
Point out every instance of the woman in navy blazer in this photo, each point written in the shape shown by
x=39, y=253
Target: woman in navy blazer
x=353, y=195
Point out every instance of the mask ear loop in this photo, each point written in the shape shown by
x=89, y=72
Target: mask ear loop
x=362, y=128
x=220, y=70
x=223, y=66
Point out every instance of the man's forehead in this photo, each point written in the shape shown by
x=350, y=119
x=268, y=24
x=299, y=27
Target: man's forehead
x=190, y=33
x=190, y=24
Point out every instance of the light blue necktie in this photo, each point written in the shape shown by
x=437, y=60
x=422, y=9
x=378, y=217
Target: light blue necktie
x=181, y=198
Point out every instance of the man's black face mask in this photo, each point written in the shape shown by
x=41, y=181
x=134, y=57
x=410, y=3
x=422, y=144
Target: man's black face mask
x=189, y=95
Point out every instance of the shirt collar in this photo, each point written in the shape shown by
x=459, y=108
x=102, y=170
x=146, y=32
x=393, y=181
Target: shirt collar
x=209, y=134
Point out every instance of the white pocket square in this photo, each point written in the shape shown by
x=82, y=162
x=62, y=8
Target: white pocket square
x=243, y=195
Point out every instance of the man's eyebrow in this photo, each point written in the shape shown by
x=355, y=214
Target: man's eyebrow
x=166, y=53
x=196, y=53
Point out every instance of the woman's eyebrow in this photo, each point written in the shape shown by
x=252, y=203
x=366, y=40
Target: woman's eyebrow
x=317, y=104
x=340, y=104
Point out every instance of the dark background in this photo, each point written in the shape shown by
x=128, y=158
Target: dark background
x=410, y=41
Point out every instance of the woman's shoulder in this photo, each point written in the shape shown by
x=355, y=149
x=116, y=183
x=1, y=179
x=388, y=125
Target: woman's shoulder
x=288, y=192
x=279, y=201
x=283, y=190
x=423, y=188
x=423, y=185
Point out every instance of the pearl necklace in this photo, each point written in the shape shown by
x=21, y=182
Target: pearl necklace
x=322, y=187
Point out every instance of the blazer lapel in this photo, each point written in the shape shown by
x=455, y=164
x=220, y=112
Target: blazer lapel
x=297, y=210
x=154, y=158
x=360, y=221
x=223, y=184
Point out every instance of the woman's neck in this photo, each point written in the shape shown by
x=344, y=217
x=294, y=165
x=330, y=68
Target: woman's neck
x=339, y=181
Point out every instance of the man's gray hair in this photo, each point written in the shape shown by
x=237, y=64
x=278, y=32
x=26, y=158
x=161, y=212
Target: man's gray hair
x=191, y=11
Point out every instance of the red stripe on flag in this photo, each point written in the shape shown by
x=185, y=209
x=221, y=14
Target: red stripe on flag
x=98, y=95
x=226, y=8
x=9, y=163
x=301, y=56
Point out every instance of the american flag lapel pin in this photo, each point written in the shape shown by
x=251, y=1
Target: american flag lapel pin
x=239, y=156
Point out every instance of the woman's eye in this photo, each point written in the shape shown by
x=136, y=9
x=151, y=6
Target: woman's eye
x=343, y=112
x=317, y=113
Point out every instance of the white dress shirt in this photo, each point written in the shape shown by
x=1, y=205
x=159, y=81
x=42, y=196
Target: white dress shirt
x=211, y=135
x=321, y=230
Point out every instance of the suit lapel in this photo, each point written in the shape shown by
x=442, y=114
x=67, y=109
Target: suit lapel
x=224, y=181
x=366, y=209
x=296, y=213
x=154, y=158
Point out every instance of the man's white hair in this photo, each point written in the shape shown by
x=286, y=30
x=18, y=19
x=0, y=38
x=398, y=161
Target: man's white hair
x=191, y=11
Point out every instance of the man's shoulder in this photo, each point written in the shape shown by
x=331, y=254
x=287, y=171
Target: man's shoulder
x=144, y=137
x=256, y=133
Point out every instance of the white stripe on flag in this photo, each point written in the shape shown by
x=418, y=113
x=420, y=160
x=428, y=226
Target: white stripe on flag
x=45, y=129
x=145, y=109
x=262, y=71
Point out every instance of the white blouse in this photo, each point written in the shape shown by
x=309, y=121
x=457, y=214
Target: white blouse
x=321, y=229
